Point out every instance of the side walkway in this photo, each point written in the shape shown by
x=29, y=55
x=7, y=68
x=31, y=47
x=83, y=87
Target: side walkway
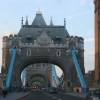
x=14, y=96
x=79, y=95
x=76, y=94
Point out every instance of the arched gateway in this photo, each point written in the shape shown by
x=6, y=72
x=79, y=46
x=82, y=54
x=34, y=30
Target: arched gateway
x=42, y=43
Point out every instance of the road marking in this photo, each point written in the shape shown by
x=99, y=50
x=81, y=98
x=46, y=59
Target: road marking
x=59, y=99
x=54, y=97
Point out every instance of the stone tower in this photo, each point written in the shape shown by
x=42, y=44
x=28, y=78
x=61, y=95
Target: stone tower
x=42, y=43
x=97, y=39
x=5, y=54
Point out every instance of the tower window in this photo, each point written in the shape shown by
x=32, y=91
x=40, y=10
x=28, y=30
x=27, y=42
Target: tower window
x=58, y=40
x=28, y=39
x=28, y=52
x=58, y=53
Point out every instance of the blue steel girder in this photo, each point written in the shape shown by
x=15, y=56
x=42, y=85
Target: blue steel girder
x=10, y=70
x=78, y=69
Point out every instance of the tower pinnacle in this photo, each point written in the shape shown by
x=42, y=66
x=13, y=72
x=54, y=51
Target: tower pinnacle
x=39, y=12
x=65, y=22
x=51, y=22
x=22, y=21
x=26, y=23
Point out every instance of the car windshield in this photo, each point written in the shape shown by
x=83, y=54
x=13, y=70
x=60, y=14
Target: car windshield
x=96, y=91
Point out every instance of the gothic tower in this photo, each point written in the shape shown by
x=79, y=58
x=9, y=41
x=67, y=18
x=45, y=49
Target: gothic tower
x=97, y=39
x=5, y=54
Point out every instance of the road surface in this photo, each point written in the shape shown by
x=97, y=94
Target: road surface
x=39, y=95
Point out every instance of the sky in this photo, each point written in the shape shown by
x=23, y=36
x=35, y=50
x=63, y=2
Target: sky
x=79, y=16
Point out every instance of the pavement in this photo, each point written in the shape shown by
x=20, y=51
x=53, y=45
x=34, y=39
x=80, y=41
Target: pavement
x=14, y=96
x=76, y=95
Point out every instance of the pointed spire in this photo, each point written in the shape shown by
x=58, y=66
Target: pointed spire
x=39, y=20
x=65, y=22
x=22, y=21
x=51, y=22
x=26, y=23
x=39, y=11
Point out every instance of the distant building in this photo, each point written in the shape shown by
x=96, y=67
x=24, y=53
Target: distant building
x=90, y=78
x=97, y=40
x=1, y=80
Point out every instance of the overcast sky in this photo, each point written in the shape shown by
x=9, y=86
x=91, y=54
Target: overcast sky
x=79, y=15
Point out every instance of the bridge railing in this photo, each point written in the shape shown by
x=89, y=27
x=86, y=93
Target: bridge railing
x=37, y=45
x=63, y=45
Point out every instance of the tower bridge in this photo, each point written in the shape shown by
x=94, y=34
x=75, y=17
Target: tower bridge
x=42, y=43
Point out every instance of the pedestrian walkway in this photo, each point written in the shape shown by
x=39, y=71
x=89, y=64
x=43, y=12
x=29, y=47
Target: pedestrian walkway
x=80, y=95
x=14, y=96
x=75, y=94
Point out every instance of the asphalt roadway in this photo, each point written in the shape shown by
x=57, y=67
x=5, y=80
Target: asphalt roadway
x=40, y=95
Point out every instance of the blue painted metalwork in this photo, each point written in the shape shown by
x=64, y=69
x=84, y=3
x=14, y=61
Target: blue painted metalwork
x=55, y=80
x=79, y=72
x=10, y=70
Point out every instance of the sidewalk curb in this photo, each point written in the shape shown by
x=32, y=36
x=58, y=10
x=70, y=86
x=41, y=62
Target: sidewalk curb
x=12, y=97
x=76, y=95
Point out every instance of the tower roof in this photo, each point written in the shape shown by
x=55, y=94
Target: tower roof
x=39, y=20
x=39, y=26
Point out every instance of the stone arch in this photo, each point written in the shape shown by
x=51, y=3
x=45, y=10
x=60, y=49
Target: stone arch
x=43, y=81
x=21, y=65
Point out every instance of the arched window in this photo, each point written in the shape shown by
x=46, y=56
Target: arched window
x=28, y=52
x=58, y=53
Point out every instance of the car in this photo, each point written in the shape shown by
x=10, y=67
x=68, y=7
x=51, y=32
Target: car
x=95, y=94
x=44, y=89
x=35, y=88
x=53, y=90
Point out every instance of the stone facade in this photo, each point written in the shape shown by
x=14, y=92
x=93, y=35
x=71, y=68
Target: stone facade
x=97, y=40
x=1, y=80
x=90, y=78
x=40, y=73
x=42, y=43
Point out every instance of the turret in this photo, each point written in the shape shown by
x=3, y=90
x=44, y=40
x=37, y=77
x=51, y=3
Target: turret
x=5, y=54
x=65, y=22
x=51, y=22
x=26, y=23
x=22, y=21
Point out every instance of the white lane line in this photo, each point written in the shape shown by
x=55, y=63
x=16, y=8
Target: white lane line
x=59, y=99
x=51, y=96
x=54, y=97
